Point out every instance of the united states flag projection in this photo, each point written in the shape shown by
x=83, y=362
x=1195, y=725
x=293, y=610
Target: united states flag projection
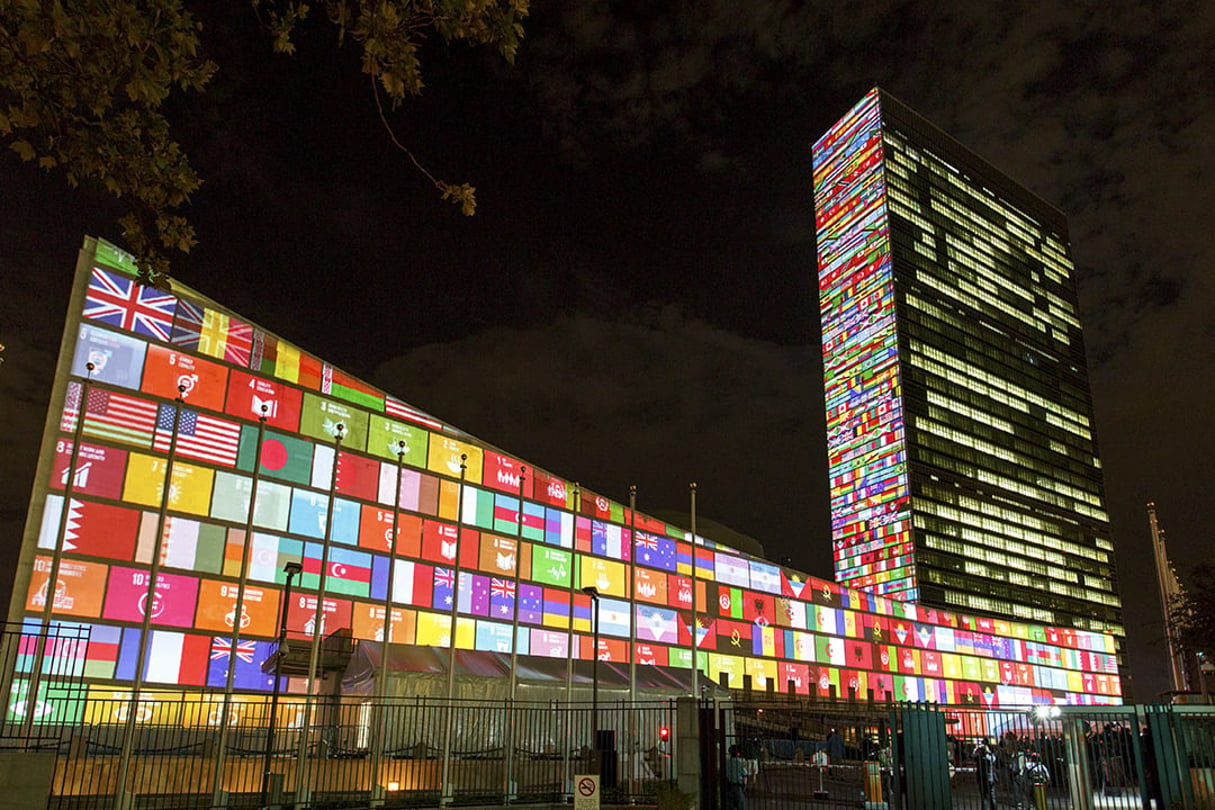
x=198, y=436
x=394, y=407
x=119, y=301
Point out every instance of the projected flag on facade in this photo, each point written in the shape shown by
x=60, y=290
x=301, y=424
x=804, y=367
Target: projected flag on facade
x=198, y=436
x=117, y=300
x=110, y=415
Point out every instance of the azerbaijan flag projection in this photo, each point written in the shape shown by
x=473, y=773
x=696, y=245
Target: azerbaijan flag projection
x=144, y=521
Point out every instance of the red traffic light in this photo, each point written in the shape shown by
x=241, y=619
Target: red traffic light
x=664, y=734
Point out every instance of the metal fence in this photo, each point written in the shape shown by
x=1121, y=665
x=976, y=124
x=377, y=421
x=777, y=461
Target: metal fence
x=805, y=755
x=796, y=753
x=346, y=753
x=41, y=702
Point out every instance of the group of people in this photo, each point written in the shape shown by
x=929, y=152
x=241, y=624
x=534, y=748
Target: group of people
x=1026, y=770
x=743, y=766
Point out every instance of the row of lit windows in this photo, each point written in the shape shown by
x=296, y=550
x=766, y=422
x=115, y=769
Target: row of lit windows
x=1040, y=246
x=1008, y=213
x=973, y=414
x=1068, y=394
x=978, y=335
x=1014, y=221
x=975, y=293
x=949, y=456
x=958, y=221
x=960, y=291
x=1034, y=457
x=1001, y=389
x=1065, y=310
x=1025, y=523
x=990, y=535
x=1016, y=525
x=977, y=602
x=1046, y=496
x=1042, y=318
x=1075, y=591
x=1008, y=598
x=978, y=435
x=1050, y=476
x=989, y=266
x=980, y=545
x=1078, y=459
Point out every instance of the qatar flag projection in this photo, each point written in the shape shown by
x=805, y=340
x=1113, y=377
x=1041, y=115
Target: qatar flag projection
x=150, y=525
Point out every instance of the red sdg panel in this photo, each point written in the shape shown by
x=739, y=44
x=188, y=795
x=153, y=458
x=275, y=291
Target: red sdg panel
x=166, y=369
x=98, y=471
x=247, y=394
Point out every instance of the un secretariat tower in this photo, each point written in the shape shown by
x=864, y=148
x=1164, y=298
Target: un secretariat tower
x=963, y=465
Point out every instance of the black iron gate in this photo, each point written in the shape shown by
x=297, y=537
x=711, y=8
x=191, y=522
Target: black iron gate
x=798, y=754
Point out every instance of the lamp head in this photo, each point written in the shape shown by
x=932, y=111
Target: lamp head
x=292, y=568
x=591, y=591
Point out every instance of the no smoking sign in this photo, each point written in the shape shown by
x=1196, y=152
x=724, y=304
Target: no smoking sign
x=586, y=792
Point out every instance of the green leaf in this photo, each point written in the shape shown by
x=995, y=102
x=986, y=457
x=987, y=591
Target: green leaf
x=24, y=150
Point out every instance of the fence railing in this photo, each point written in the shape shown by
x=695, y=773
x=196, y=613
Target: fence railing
x=40, y=702
x=350, y=752
x=925, y=755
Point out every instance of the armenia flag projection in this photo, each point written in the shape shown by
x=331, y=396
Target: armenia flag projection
x=505, y=545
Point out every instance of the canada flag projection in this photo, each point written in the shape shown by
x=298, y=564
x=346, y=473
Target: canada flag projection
x=360, y=489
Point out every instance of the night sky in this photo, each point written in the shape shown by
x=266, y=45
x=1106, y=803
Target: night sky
x=635, y=301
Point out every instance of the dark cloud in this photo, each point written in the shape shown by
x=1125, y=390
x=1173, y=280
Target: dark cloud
x=657, y=400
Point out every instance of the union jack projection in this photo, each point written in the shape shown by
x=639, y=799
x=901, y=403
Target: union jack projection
x=120, y=301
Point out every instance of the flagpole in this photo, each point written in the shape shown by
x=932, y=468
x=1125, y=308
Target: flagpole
x=31, y=697
x=695, y=616
x=238, y=613
x=381, y=681
x=632, y=595
x=128, y=735
x=514, y=635
x=514, y=639
x=318, y=621
x=569, y=644
x=445, y=797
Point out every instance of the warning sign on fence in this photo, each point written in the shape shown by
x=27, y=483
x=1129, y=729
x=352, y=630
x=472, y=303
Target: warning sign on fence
x=586, y=791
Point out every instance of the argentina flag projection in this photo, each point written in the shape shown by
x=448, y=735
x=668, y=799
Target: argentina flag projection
x=189, y=455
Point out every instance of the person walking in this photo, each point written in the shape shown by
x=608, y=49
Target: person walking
x=736, y=780
x=835, y=750
x=985, y=773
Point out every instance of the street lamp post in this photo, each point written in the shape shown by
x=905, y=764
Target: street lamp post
x=593, y=592
x=291, y=569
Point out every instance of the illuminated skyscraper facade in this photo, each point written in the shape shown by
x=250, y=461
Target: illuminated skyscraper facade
x=963, y=464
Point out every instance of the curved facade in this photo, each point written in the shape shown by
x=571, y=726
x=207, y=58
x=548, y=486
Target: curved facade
x=390, y=511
